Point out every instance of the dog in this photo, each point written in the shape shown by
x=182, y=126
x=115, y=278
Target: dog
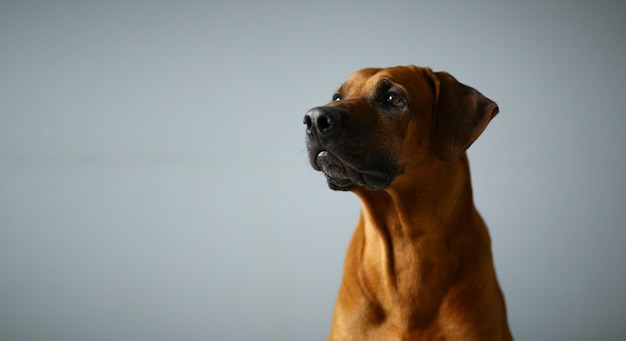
x=419, y=264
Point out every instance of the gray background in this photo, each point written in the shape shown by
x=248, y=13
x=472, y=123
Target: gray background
x=154, y=183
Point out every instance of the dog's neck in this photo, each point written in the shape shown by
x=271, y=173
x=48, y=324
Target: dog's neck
x=424, y=207
x=406, y=230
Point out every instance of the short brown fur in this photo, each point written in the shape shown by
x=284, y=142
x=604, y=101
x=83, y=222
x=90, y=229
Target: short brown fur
x=419, y=265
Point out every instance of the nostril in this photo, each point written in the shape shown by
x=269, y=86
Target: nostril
x=307, y=121
x=324, y=122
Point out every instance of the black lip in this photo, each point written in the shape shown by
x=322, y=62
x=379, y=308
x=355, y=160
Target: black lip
x=342, y=175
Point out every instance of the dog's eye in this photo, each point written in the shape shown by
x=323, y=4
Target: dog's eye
x=337, y=97
x=394, y=99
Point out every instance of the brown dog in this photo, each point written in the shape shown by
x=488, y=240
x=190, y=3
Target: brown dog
x=419, y=266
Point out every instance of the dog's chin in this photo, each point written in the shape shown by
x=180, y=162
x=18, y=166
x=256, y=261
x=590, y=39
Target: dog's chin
x=371, y=184
x=342, y=177
x=338, y=184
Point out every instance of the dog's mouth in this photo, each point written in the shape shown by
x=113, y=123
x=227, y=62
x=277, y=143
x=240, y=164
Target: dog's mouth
x=341, y=175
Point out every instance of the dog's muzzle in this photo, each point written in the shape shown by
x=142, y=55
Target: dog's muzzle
x=333, y=150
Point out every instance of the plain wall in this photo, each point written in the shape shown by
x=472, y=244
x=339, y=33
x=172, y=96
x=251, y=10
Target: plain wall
x=154, y=182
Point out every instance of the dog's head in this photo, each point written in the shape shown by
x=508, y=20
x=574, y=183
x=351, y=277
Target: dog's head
x=385, y=122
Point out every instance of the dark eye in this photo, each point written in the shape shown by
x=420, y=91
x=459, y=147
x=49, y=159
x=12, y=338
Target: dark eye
x=394, y=99
x=337, y=97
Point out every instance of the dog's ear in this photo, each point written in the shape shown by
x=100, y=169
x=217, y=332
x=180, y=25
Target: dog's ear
x=461, y=113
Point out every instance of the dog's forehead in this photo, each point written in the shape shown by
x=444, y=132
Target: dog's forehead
x=359, y=81
x=370, y=78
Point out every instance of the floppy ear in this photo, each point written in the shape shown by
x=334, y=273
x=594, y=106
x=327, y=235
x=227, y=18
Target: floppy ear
x=460, y=115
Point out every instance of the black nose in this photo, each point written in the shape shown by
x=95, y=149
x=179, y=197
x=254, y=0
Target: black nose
x=323, y=121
